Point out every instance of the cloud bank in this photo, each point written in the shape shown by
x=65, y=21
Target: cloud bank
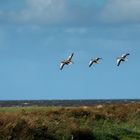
x=66, y=13
x=47, y=11
x=121, y=11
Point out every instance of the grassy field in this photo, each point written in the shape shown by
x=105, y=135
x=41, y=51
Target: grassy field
x=101, y=122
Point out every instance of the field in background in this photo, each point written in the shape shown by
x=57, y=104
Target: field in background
x=75, y=103
x=99, y=122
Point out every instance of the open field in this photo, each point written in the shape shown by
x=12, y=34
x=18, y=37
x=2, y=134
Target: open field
x=99, y=122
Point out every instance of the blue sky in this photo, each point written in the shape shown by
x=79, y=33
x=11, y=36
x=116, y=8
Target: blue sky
x=35, y=35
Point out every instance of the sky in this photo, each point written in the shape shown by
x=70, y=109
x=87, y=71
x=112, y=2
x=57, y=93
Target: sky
x=36, y=35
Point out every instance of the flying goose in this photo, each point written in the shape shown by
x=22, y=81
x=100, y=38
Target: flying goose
x=96, y=61
x=68, y=61
x=122, y=58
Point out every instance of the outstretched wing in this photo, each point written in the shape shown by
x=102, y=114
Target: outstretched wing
x=90, y=63
x=98, y=58
x=62, y=65
x=125, y=55
x=118, y=62
x=70, y=57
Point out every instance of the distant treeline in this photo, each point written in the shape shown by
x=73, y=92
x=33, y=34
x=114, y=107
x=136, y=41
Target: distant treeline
x=22, y=103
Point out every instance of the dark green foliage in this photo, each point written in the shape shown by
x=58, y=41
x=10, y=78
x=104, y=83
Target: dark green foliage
x=106, y=136
x=39, y=132
x=82, y=134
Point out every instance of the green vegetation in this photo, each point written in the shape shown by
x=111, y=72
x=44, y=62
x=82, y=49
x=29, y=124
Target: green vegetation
x=102, y=122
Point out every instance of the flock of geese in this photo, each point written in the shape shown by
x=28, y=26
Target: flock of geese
x=69, y=61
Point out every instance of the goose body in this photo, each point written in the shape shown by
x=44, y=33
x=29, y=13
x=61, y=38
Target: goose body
x=122, y=58
x=68, y=61
x=94, y=61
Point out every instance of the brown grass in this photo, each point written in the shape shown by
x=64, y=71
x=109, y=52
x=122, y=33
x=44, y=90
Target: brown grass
x=44, y=123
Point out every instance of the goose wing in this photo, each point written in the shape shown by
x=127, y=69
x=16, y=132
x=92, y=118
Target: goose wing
x=125, y=55
x=91, y=62
x=118, y=62
x=70, y=57
x=61, y=65
x=98, y=58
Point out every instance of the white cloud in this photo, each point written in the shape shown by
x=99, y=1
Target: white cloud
x=121, y=11
x=50, y=12
x=37, y=12
x=47, y=11
x=63, y=12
